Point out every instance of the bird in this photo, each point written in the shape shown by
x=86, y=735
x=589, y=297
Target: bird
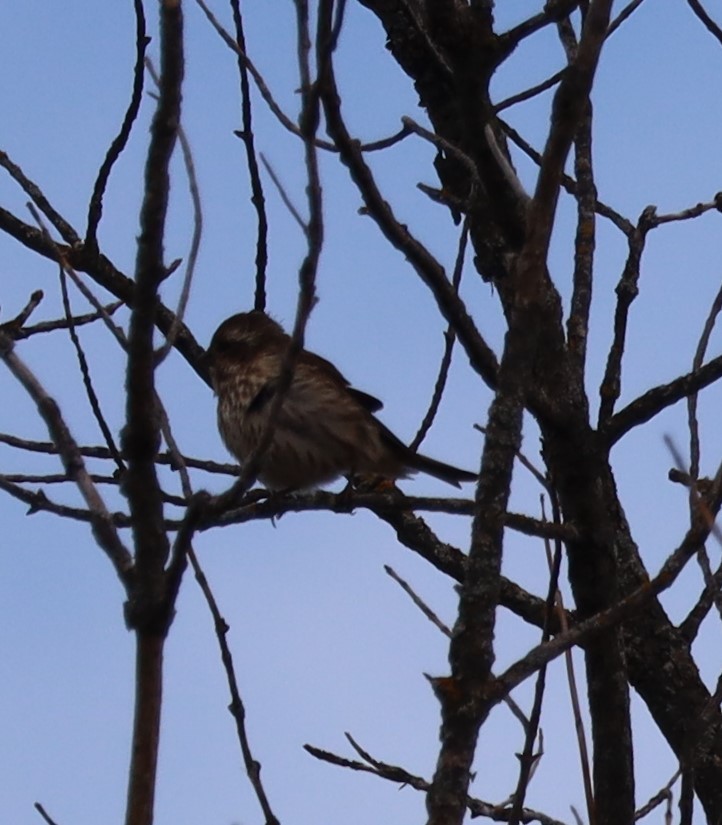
x=324, y=427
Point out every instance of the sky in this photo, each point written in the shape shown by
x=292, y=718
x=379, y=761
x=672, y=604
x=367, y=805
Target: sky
x=324, y=641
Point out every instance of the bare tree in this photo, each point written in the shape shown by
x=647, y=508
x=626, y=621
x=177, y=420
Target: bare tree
x=538, y=379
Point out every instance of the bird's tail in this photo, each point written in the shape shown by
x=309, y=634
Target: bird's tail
x=440, y=470
x=421, y=463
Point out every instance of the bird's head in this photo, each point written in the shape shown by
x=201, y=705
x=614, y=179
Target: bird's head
x=242, y=334
x=241, y=337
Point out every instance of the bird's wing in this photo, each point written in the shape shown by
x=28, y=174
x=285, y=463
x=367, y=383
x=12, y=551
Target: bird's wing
x=368, y=402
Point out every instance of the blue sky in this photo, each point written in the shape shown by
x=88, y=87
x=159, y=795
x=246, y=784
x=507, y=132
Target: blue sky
x=324, y=641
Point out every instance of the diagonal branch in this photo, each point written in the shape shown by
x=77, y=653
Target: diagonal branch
x=100, y=518
x=653, y=401
x=482, y=358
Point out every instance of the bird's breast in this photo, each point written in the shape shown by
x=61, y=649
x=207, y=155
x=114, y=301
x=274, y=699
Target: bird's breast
x=237, y=385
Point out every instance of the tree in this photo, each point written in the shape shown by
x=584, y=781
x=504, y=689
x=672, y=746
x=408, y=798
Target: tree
x=521, y=338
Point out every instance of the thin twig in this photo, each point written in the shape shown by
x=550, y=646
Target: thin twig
x=100, y=517
x=38, y=502
x=561, y=613
x=95, y=208
x=611, y=616
x=15, y=325
x=295, y=214
x=703, y=343
x=528, y=759
x=663, y=795
x=481, y=356
x=248, y=138
x=39, y=808
x=402, y=777
x=237, y=708
x=194, y=191
x=80, y=354
x=623, y=15
x=570, y=185
x=449, y=339
x=62, y=323
x=423, y=607
x=35, y=193
x=705, y=19
x=532, y=91
x=627, y=290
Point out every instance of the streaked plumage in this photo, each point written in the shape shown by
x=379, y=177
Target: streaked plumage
x=325, y=428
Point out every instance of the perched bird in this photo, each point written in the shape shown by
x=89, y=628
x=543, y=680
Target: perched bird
x=324, y=427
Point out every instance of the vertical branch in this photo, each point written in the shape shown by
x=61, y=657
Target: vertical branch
x=146, y=730
x=85, y=372
x=195, y=196
x=569, y=102
x=527, y=759
x=148, y=611
x=694, y=449
x=248, y=138
x=141, y=435
x=584, y=244
x=308, y=122
x=586, y=197
x=627, y=290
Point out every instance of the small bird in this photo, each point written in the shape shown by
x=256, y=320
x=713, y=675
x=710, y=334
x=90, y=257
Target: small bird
x=324, y=428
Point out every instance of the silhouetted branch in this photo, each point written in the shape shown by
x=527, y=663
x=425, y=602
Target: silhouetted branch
x=402, y=777
x=148, y=610
x=35, y=193
x=95, y=208
x=449, y=339
x=104, y=453
x=623, y=15
x=584, y=244
x=653, y=401
x=423, y=607
x=237, y=707
x=627, y=290
x=663, y=795
x=63, y=323
x=426, y=266
x=626, y=607
x=288, y=203
x=100, y=518
x=39, y=808
x=248, y=138
x=177, y=322
x=569, y=184
x=553, y=13
x=700, y=352
x=705, y=19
